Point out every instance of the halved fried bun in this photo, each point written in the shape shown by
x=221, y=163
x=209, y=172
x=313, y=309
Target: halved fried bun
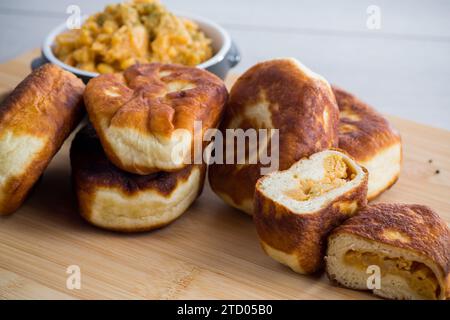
x=145, y=117
x=278, y=94
x=114, y=199
x=369, y=138
x=295, y=209
x=35, y=119
x=410, y=244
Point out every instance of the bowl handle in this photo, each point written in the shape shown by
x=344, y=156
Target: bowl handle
x=234, y=55
x=37, y=62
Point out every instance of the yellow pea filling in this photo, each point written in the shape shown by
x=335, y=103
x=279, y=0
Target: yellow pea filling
x=137, y=31
x=419, y=277
x=337, y=173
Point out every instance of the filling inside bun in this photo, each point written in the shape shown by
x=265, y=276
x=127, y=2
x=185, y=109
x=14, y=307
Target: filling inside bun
x=336, y=174
x=420, y=277
x=312, y=183
x=404, y=274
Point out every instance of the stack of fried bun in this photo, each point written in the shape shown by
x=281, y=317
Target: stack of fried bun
x=336, y=153
x=132, y=164
x=133, y=167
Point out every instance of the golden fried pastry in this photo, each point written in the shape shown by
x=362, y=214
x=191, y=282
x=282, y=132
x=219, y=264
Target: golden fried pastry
x=145, y=117
x=295, y=209
x=368, y=137
x=114, y=199
x=409, y=244
x=35, y=119
x=277, y=94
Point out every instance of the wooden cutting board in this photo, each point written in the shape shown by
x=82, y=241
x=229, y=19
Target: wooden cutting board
x=211, y=252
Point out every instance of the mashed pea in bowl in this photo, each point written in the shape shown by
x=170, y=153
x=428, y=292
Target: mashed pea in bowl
x=225, y=54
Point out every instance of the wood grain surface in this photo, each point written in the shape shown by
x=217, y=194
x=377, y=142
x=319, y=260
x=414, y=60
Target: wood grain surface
x=211, y=252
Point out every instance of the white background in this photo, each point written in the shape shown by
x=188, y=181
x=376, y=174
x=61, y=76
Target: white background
x=401, y=69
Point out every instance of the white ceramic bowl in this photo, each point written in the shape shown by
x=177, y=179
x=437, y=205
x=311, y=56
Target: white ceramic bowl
x=226, y=54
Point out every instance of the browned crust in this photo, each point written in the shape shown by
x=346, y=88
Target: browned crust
x=304, y=235
x=297, y=104
x=372, y=133
x=140, y=106
x=428, y=234
x=91, y=170
x=47, y=104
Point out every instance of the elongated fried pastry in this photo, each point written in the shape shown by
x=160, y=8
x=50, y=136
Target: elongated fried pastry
x=278, y=94
x=295, y=209
x=409, y=244
x=35, y=119
x=145, y=117
x=369, y=138
x=114, y=199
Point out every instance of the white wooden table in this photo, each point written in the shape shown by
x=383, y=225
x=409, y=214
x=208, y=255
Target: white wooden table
x=403, y=68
